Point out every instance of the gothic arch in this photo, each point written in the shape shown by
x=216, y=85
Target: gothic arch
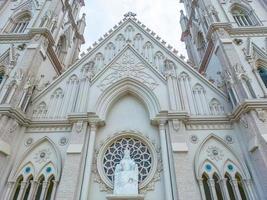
x=18, y=22
x=19, y=165
x=241, y=164
x=250, y=16
x=123, y=87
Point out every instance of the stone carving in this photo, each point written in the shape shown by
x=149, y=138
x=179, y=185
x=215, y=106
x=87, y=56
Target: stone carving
x=194, y=139
x=128, y=67
x=129, y=14
x=229, y=139
x=262, y=114
x=126, y=176
x=28, y=142
x=79, y=126
x=215, y=153
x=63, y=141
x=42, y=156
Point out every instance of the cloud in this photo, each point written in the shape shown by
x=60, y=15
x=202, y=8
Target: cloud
x=161, y=16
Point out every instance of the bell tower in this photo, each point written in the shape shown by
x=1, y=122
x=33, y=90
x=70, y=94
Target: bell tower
x=227, y=42
x=38, y=41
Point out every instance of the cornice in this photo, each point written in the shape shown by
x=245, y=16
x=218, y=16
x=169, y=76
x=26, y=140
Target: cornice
x=189, y=120
x=237, y=31
x=247, y=106
x=12, y=36
x=14, y=113
x=45, y=32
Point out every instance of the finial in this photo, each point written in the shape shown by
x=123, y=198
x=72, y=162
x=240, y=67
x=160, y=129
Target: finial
x=129, y=14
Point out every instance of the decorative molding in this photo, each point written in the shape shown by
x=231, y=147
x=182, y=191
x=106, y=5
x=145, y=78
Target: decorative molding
x=128, y=67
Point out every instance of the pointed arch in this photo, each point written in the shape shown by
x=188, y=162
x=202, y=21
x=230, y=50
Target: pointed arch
x=125, y=86
x=58, y=166
x=244, y=15
x=227, y=147
x=216, y=108
x=26, y=170
x=18, y=22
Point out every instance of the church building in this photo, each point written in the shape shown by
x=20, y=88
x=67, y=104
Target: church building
x=132, y=119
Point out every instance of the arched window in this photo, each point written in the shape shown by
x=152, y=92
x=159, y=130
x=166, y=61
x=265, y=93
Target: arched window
x=99, y=61
x=159, y=61
x=217, y=187
x=17, y=186
x=40, y=187
x=50, y=188
x=206, y=187
x=241, y=186
x=263, y=74
x=28, y=188
x=61, y=49
x=20, y=23
x=244, y=17
x=229, y=187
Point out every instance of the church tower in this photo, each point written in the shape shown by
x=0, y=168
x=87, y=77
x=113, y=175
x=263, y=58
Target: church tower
x=38, y=41
x=226, y=40
x=130, y=119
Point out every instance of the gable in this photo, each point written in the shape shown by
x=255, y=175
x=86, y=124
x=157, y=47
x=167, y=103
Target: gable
x=130, y=52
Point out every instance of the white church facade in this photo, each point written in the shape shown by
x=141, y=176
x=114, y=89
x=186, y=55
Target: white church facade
x=130, y=118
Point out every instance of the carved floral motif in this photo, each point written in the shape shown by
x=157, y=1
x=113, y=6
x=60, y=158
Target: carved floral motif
x=42, y=155
x=128, y=67
x=215, y=153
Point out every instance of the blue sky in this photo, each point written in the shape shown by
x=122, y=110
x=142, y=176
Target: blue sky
x=161, y=16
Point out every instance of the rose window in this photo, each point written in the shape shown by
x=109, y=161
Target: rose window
x=139, y=152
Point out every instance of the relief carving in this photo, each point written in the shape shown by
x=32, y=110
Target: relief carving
x=128, y=66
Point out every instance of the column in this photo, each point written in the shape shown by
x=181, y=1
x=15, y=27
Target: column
x=202, y=191
x=165, y=160
x=53, y=195
x=44, y=189
x=10, y=187
x=23, y=184
x=236, y=190
x=88, y=162
x=248, y=188
x=224, y=188
x=33, y=189
x=212, y=187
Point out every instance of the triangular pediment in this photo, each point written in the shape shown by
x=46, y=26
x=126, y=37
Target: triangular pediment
x=129, y=52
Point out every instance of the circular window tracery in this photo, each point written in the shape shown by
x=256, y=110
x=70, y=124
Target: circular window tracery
x=142, y=151
x=139, y=152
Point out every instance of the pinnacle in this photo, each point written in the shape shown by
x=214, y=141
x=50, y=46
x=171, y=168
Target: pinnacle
x=129, y=15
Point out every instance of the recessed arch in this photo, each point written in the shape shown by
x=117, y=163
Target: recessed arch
x=58, y=166
x=221, y=141
x=123, y=87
